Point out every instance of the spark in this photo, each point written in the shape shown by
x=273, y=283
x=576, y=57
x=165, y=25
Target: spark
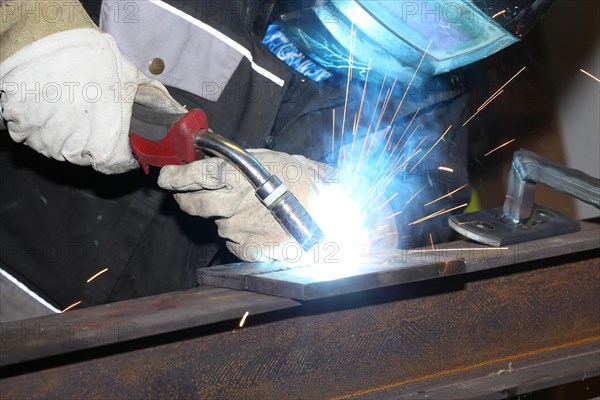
x=484, y=105
x=377, y=181
x=432, y=147
x=397, y=165
x=509, y=197
x=590, y=75
x=436, y=214
x=499, y=147
x=417, y=150
x=396, y=170
x=333, y=134
x=499, y=13
x=446, y=195
x=362, y=98
x=366, y=138
x=354, y=129
x=391, y=172
x=387, y=144
x=386, y=180
x=447, y=169
x=496, y=94
x=71, y=306
x=488, y=101
x=411, y=79
x=401, y=152
x=377, y=238
x=378, y=229
x=378, y=196
x=431, y=240
x=362, y=150
x=387, y=201
x=511, y=79
x=377, y=105
x=416, y=194
x=383, y=108
x=402, y=137
x=395, y=214
x=244, y=318
x=350, y=62
x=96, y=275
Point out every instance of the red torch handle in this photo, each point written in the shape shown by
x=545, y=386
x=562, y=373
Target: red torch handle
x=160, y=139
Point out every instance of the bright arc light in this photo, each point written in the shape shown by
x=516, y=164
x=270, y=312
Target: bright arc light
x=346, y=237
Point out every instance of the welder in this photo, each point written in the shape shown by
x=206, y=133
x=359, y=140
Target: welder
x=302, y=82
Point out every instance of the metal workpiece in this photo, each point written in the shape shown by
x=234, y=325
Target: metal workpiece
x=85, y=328
x=519, y=202
x=136, y=319
x=284, y=206
x=315, y=282
x=492, y=334
x=520, y=220
x=393, y=267
x=529, y=169
x=493, y=228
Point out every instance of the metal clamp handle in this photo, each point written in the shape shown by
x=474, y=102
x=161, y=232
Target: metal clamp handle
x=528, y=169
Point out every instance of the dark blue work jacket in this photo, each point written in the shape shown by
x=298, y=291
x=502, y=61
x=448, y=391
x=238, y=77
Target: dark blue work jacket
x=60, y=223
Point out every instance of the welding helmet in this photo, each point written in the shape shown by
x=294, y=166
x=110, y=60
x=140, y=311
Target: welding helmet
x=395, y=36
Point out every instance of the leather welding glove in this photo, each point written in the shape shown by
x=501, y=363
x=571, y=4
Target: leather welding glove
x=212, y=188
x=66, y=90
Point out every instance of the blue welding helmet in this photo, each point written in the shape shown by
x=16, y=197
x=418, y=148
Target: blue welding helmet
x=394, y=35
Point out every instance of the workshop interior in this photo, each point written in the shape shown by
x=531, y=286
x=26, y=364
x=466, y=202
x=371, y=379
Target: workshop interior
x=306, y=199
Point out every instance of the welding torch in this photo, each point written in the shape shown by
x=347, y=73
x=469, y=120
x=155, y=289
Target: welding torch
x=159, y=139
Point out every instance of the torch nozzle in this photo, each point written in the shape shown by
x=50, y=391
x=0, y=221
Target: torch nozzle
x=284, y=206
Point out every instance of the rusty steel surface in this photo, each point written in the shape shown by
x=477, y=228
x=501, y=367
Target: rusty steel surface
x=86, y=328
x=384, y=343
x=511, y=376
x=133, y=319
x=392, y=267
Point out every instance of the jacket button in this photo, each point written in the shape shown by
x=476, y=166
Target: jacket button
x=156, y=66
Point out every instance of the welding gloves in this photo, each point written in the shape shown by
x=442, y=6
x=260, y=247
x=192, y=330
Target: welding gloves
x=69, y=94
x=212, y=188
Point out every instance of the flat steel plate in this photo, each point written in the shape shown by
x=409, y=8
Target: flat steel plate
x=318, y=281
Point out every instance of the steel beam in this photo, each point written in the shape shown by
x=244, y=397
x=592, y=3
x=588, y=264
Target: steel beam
x=87, y=328
x=519, y=328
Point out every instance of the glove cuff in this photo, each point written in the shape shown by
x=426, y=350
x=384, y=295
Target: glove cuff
x=27, y=21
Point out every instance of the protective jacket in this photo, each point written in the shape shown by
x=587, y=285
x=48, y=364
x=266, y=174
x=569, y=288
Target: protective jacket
x=60, y=223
